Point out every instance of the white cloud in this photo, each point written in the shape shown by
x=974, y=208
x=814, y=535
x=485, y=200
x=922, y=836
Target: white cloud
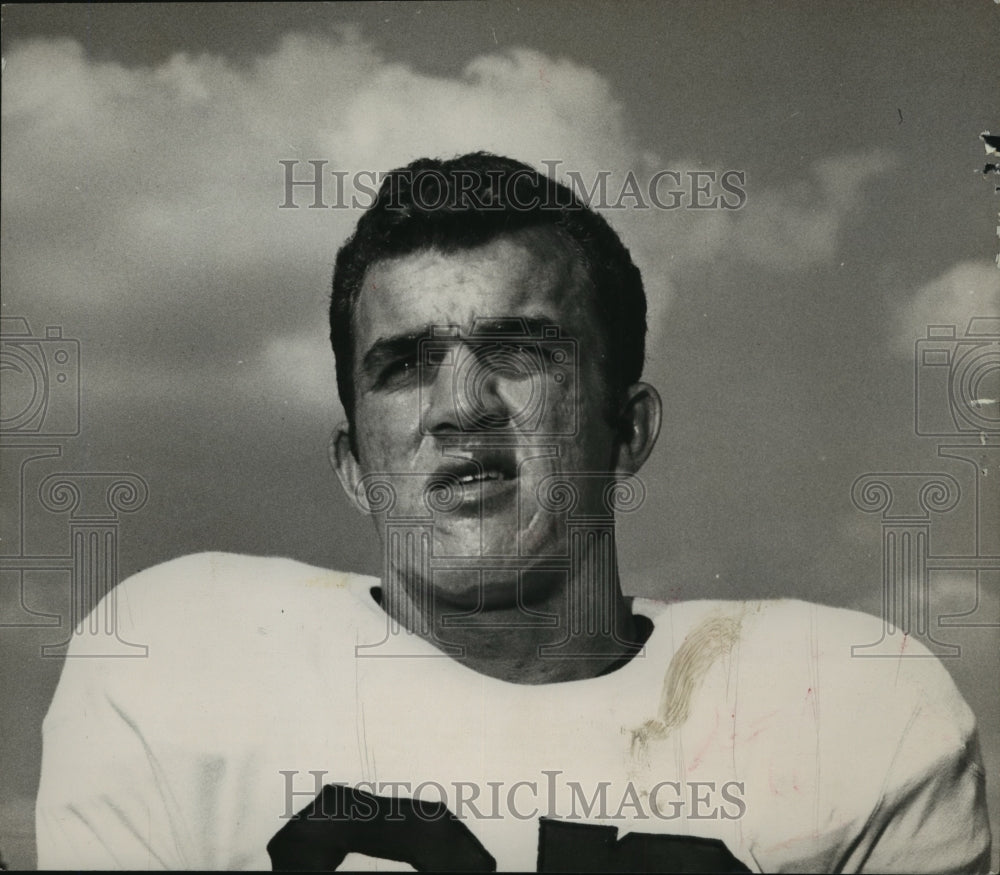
x=968, y=289
x=798, y=225
x=142, y=203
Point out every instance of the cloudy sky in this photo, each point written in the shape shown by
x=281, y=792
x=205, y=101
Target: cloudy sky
x=142, y=187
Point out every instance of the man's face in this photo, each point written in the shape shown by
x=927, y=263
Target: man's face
x=493, y=408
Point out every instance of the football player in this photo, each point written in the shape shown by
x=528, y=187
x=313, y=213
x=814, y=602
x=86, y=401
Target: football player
x=494, y=700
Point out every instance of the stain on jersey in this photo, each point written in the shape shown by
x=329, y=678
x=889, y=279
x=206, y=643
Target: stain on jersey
x=711, y=640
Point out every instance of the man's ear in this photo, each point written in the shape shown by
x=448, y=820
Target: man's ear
x=346, y=464
x=639, y=427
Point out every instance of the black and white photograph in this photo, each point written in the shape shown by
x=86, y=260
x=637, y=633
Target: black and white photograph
x=500, y=436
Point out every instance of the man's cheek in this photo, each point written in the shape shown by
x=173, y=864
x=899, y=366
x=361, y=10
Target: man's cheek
x=385, y=436
x=380, y=453
x=560, y=409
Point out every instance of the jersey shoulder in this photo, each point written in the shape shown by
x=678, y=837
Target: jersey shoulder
x=858, y=655
x=876, y=738
x=785, y=655
x=216, y=595
x=212, y=625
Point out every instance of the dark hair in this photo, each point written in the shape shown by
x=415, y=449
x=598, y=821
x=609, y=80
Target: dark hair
x=467, y=202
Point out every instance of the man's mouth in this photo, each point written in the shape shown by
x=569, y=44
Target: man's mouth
x=482, y=473
x=483, y=476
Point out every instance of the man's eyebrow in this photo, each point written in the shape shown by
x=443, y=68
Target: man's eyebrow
x=519, y=326
x=387, y=349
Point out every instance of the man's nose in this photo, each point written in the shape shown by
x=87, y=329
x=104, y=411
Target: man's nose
x=465, y=393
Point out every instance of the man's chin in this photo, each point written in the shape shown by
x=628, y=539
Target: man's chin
x=504, y=589
x=497, y=546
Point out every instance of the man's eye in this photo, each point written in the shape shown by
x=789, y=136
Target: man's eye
x=398, y=372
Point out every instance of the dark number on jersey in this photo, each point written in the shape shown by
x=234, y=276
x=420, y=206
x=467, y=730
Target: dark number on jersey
x=427, y=836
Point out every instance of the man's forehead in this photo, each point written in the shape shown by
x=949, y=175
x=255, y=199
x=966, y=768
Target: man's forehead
x=536, y=273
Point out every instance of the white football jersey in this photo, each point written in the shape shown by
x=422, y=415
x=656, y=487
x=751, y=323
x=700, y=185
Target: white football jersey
x=279, y=721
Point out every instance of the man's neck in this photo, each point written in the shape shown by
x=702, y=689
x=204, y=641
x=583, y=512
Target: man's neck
x=547, y=629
